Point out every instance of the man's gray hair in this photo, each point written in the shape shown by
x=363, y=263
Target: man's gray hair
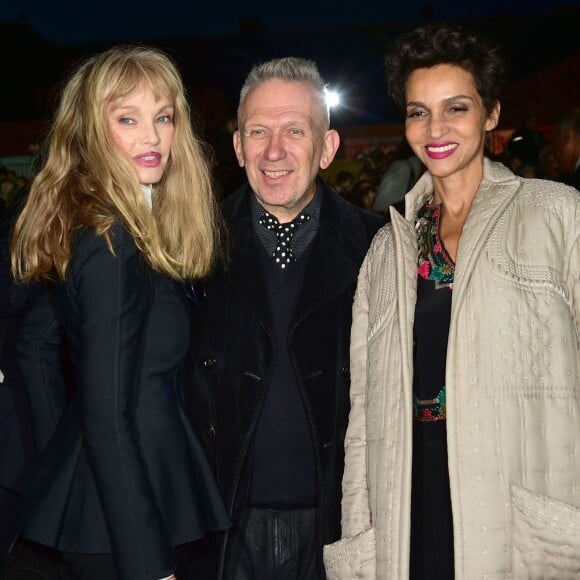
x=291, y=70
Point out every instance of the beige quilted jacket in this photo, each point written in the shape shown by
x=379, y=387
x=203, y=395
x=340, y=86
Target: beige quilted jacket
x=513, y=390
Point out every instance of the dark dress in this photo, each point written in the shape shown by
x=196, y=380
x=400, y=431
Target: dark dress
x=431, y=521
x=121, y=470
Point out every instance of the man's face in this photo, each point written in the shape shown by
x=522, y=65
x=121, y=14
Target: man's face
x=564, y=149
x=282, y=144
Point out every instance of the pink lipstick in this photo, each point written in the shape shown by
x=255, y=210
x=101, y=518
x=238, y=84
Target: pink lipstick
x=440, y=150
x=149, y=159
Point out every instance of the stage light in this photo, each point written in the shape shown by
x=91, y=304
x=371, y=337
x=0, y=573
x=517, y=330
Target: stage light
x=332, y=98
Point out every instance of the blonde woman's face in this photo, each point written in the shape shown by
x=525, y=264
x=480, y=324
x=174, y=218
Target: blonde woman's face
x=142, y=127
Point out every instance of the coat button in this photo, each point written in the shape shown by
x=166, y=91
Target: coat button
x=209, y=430
x=345, y=371
x=209, y=362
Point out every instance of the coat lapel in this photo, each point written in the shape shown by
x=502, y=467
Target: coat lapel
x=406, y=251
x=497, y=190
x=244, y=272
x=331, y=268
x=328, y=273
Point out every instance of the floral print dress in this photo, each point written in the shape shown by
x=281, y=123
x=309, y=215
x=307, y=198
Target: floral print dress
x=431, y=522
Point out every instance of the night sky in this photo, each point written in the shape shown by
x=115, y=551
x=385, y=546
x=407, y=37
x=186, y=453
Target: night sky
x=346, y=39
x=70, y=23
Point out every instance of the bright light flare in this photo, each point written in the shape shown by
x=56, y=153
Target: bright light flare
x=332, y=98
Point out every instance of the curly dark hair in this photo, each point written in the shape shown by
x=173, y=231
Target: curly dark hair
x=443, y=43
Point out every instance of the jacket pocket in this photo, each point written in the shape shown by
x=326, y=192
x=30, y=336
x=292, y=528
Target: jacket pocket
x=352, y=557
x=545, y=537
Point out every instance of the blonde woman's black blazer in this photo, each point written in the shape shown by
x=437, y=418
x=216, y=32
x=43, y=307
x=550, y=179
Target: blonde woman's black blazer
x=121, y=469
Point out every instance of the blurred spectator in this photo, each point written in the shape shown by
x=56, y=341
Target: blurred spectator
x=567, y=147
x=548, y=167
x=528, y=171
x=525, y=144
x=512, y=162
x=364, y=195
x=400, y=176
x=11, y=188
x=344, y=183
x=369, y=175
x=374, y=159
x=7, y=187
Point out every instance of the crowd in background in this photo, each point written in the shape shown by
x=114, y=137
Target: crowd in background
x=367, y=182
x=528, y=153
x=11, y=186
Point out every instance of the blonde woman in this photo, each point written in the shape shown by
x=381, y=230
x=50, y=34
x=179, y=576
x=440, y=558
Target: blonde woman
x=119, y=221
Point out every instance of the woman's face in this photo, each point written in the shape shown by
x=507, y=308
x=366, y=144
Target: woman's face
x=446, y=121
x=142, y=127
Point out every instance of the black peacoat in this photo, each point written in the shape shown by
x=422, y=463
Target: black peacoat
x=233, y=350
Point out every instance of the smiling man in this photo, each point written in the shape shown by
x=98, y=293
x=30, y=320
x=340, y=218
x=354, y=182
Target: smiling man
x=270, y=386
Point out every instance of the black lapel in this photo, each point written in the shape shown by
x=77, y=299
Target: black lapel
x=244, y=272
x=335, y=257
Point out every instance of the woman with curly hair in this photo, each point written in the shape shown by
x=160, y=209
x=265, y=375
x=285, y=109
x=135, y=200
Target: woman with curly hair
x=462, y=455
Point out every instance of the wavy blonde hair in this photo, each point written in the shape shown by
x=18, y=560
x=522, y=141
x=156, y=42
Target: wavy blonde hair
x=86, y=181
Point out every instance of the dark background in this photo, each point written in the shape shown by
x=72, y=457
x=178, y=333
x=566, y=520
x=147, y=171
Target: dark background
x=63, y=22
x=215, y=48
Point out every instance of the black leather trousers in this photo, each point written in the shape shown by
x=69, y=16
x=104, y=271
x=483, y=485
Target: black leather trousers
x=277, y=545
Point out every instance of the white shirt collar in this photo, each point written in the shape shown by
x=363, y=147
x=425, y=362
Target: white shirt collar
x=148, y=194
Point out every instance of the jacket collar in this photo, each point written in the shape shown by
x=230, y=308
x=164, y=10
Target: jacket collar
x=333, y=261
x=496, y=191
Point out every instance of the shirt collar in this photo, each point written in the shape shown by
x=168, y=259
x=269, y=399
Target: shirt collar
x=148, y=194
x=303, y=236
